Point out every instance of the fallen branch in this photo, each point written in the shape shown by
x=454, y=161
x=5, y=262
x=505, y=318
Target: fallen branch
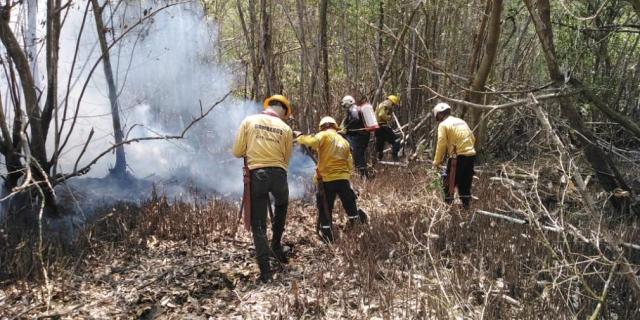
x=564, y=154
x=596, y=313
x=391, y=163
x=573, y=231
x=490, y=107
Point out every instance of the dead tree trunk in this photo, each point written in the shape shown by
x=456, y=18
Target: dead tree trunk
x=120, y=168
x=604, y=169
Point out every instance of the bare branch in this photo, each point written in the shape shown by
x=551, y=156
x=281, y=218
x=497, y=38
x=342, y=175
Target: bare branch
x=490, y=107
x=78, y=172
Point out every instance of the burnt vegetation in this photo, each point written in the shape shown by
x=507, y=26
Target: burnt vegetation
x=550, y=89
x=417, y=258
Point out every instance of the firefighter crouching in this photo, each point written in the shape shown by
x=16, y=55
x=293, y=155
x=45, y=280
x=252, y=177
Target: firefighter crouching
x=333, y=172
x=354, y=130
x=385, y=134
x=265, y=141
x=456, y=138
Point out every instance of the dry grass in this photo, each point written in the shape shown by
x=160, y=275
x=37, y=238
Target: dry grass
x=417, y=258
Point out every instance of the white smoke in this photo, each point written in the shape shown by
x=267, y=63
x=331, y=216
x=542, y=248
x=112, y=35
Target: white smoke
x=166, y=70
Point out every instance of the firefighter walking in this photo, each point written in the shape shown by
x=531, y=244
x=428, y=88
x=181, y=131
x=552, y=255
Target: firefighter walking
x=355, y=131
x=265, y=141
x=385, y=134
x=333, y=172
x=457, y=140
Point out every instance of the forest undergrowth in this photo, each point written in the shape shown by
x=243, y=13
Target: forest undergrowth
x=417, y=258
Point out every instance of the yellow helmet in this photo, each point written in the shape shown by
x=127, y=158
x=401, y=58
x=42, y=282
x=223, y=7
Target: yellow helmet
x=280, y=98
x=394, y=99
x=327, y=120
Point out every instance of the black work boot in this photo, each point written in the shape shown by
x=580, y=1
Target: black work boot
x=363, y=217
x=280, y=253
x=326, y=235
x=265, y=271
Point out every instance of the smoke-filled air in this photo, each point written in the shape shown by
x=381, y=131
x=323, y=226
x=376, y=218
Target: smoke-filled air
x=166, y=72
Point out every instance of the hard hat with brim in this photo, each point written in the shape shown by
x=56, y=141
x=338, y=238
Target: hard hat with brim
x=280, y=98
x=394, y=99
x=348, y=100
x=440, y=107
x=327, y=120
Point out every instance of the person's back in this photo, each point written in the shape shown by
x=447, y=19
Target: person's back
x=265, y=140
x=334, y=161
x=353, y=120
x=358, y=137
x=458, y=138
x=334, y=171
x=384, y=115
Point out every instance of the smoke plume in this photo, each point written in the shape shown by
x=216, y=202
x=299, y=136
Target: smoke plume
x=167, y=68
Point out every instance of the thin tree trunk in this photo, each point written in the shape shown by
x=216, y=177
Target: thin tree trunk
x=484, y=70
x=253, y=21
x=479, y=39
x=265, y=48
x=12, y=158
x=37, y=153
x=120, y=168
x=300, y=8
x=379, y=64
x=385, y=73
x=324, y=53
x=346, y=45
x=250, y=40
x=411, y=77
x=14, y=51
x=32, y=38
x=53, y=40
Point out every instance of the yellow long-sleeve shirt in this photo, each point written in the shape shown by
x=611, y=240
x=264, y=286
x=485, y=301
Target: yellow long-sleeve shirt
x=335, y=162
x=265, y=140
x=383, y=112
x=455, y=136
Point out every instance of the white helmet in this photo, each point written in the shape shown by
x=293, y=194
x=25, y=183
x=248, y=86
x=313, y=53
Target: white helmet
x=327, y=120
x=440, y=107
x=348, y=101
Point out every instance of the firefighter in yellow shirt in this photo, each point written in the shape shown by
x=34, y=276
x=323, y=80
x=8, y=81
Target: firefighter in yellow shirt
x=265, y=140
x=457, y=140
x=385, y=134
x=333, y=172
